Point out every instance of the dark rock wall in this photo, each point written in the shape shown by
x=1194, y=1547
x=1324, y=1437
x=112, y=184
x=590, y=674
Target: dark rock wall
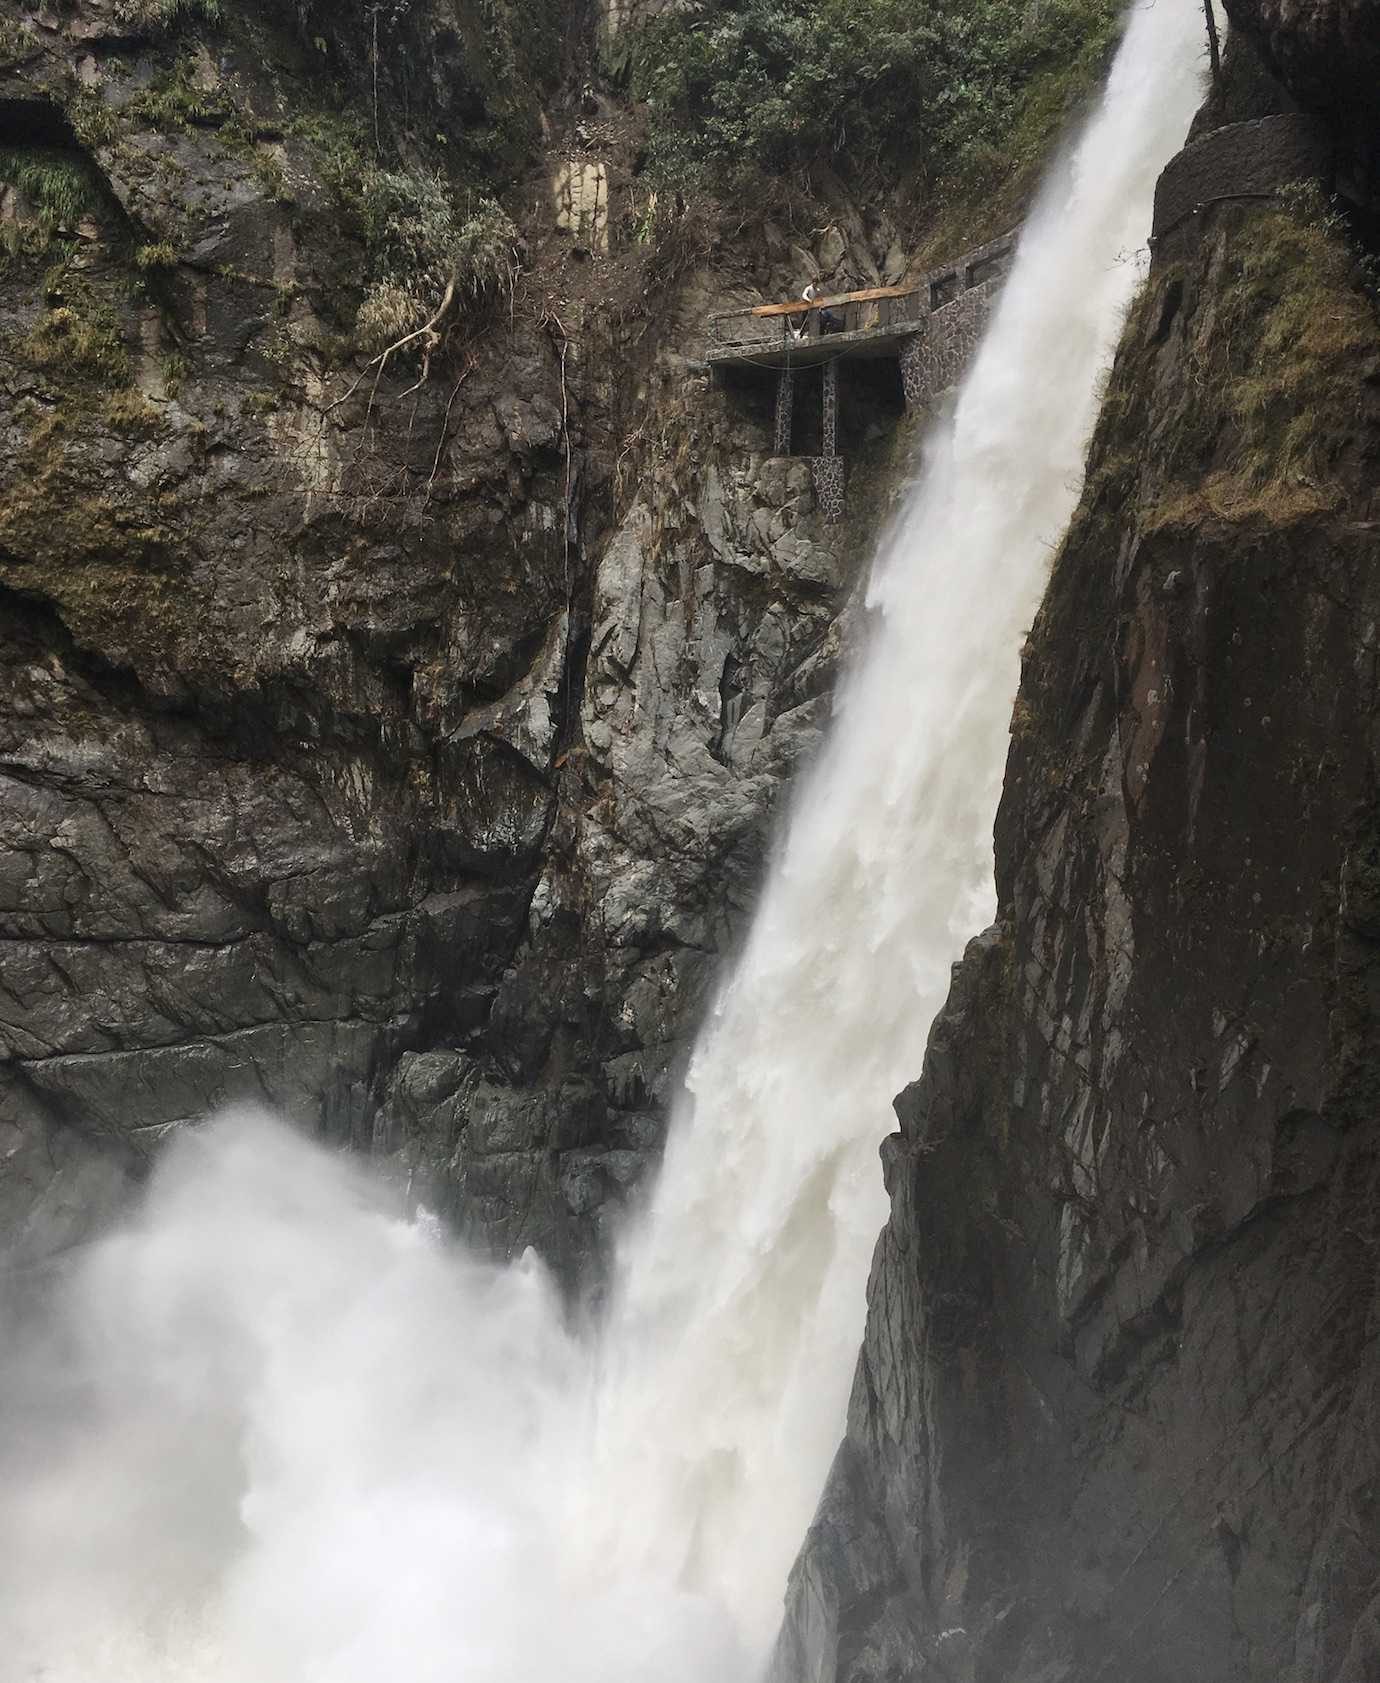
x=1327, y=53
x=1115, y=1415
x=399, y=754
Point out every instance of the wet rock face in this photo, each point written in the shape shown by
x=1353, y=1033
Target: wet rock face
x=401, y=758
x=714, y=633
x=276, y=762
x=1327, y=53
x=202, y=909
x=1115, y=1413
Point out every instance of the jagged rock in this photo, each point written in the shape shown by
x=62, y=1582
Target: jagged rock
x=581, y=192
x=359, y=757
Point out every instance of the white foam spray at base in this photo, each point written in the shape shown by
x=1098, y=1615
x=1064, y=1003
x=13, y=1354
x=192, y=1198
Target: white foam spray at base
x=274, y=1433
x=289, y=1438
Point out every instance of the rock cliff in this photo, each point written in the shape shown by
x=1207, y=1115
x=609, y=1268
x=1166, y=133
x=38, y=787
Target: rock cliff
x=392, y=737
x=389, y=739
x=1116, y=1410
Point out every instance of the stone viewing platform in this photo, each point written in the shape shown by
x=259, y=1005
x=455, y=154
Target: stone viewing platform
x=801, y=334
x=930, y=328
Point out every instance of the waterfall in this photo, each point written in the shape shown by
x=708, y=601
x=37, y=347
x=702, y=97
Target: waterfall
x=732, y=1348
x=276, y=1435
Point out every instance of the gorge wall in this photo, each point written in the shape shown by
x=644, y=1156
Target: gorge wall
x=399, y=751
x=394, y=751
x=1116, y=1410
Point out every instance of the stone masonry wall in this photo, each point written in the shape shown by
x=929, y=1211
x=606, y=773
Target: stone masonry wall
x=956, y=302
x=935, y=359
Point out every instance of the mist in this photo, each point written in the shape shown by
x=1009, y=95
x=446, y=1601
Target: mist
x=273, y=1430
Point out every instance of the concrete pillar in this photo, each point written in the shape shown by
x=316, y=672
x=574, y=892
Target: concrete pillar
x=827, y=474
x=914, y=364
x=785, y=411
x=831, y=407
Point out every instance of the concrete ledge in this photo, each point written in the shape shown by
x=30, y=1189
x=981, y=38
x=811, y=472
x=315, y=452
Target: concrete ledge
x=864, y=342
x=1241, y=161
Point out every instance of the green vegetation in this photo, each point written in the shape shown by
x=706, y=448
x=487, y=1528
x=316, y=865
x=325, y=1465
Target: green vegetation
x=486, y=63
x=78, y=335
x=14, y=43
x=160, y=255
x=1293, y=396
x=163, y=14
x=1281, y=380
x=418, y=237
x=174, y=372
x=175, y=99
x=961, y=89
x=57, y=188
x=93, y=121
x=75, y=341
x=129, y=411
x=1259, y=411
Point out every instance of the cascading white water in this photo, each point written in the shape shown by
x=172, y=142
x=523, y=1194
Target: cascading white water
x=274, y=1435
x=731, y=1354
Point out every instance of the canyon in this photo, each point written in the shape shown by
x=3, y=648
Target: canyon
x=400, y=746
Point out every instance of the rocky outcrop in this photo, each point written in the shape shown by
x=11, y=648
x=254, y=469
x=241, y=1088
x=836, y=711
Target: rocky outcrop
x=713, y=635
x=392, y=742
x=1115, y=1411
x=1327, y=53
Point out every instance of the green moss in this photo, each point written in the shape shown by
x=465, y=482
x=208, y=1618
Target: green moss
x=15, y=44
x=77, y=340
x=174, y=370
x=1280, y=376
x=92, y=120
x=57, y=189
x=1114, y=459
x=260, y=404
x=271, y=175
x=99, y=564
x=129, y=411
x=175, y=99
x=1245, y=388
x=1292, y=395
x=160, y=255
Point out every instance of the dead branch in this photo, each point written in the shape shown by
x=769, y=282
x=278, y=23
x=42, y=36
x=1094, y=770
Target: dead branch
x=428, y=333
x=1214, y=45
x=465, y=373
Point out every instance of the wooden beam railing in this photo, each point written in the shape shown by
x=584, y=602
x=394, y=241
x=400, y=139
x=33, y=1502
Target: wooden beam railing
x=873, y=306
x=868, y=295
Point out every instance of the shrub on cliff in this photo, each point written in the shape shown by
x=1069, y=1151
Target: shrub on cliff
x=53, y=189
x=422, y=247
x=152, y=14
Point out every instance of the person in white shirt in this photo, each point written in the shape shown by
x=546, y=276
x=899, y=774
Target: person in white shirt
x=800, y=324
